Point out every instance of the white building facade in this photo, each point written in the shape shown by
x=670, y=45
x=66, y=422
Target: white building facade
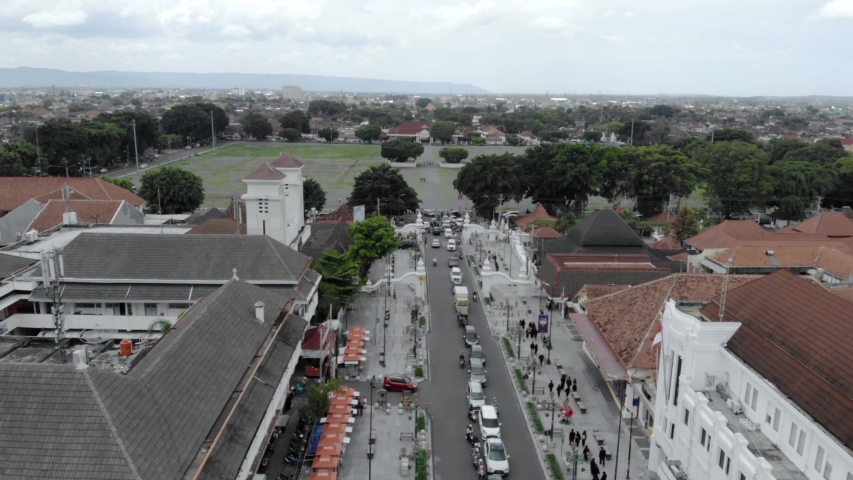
x=717, y=418
x=274, y=202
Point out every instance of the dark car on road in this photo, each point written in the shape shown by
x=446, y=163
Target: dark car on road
x=398, y=382
x=453, y=262
x=436, y=231
x=477, y=352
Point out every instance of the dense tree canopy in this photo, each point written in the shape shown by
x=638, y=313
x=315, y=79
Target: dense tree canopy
x=77, y=145
x=297, y=120
x=737, y=178
x=11, y=164
x=779, y=147
x=801, y=180
x=122, y=182
x=731, y=135
x=147, y=128
x=327, y=107
x=255, y=125
x=374, y=238
x=453, y=154
x=442, y=131
x=290, y=134
x=823, y=152
x=423, y=102
x=401, y=150
x=339, y=282
x=313, y=195
x=369, y=133
x=187, y=120
x=328, y=134
x=686, y=225
x=18, y=158
x=487, y=180
x=171, y=190
x=385, y=185
x=655, y=173
x=663, y=111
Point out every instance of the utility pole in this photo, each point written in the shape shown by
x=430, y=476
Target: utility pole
x=630, y=429
x=212, y=131
x=135, y=146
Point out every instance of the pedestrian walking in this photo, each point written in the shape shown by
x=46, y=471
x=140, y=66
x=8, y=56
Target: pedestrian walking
x=594, y=468
x=583, y=438
x=541, y=359
x=601, y=456
x=585, y=454
x=572, y=436
x=563, y=380
x=551, y=386
x=559, y=390
x=533, y=348
x=575, y=385
x=603, y=476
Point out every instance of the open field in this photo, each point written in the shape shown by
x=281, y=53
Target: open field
x=334, y=166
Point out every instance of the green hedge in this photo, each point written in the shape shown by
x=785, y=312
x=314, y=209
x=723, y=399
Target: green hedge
x=419, y=372
x=534, y=414
x=421, y=465
x=555, y=466
x=421, y=423
x=509, y=350
x=521, y=382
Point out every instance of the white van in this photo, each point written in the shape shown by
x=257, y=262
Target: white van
x=448, y=233
x=456, y=275
x=451, y=245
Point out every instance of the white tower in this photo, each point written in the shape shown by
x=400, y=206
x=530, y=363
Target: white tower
x=274, y=203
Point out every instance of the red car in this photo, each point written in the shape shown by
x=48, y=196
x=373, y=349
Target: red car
x=399, y=383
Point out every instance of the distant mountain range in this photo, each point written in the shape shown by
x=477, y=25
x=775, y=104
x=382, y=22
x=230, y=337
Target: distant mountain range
x=27, y=77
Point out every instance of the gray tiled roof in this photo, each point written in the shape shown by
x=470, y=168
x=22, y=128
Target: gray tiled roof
x=604, y=228
x=10, y=264
x=181, y=257
x=124, y=292
x=327, y=235
x=199, y=218
x=160, y=412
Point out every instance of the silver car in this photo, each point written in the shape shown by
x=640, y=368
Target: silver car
x=477, y=372
x=476, y=397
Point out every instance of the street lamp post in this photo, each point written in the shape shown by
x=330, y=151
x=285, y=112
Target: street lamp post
x=553, y=407
x=630, y=429
x=387, y=312
x=618, y=439
x=507, y=314
x=549, y=320
x=370, y=432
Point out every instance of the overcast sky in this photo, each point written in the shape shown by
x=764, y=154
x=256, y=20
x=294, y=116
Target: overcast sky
x=727, y=47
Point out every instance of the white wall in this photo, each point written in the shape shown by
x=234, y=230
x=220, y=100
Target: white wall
x=702, y=348
x=85, y=322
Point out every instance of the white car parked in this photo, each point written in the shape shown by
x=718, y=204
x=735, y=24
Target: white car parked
x=451, y=245
x=490, y=427
x=476, y=397
x=448, y=233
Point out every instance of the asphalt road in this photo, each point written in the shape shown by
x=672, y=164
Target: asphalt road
x=164, y=159
x=447, y=389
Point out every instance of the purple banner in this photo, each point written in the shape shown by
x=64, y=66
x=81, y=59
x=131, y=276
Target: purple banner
x=543, y=323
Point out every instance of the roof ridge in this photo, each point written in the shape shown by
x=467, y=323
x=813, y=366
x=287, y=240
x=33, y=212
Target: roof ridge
x=280, y=259
x=113, y=430
x=98, y=183
x=651, y=324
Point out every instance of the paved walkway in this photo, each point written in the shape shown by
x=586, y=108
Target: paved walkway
x=602, y=411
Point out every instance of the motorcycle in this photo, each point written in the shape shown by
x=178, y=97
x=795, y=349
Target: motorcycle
x=481, y=470
x=434, y=262
x=472, y=414
x=475, y=457
x=475, y=296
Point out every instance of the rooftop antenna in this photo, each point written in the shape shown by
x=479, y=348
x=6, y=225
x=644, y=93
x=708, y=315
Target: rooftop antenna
x=66, y=196
x=52, y=269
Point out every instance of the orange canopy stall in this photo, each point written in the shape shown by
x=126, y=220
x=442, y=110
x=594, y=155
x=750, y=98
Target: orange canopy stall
x=333, y=450
x=340, y=417
x=333, y=428
x=333, y=439
x=330, y=463
x=324, y=475
x=342, y=409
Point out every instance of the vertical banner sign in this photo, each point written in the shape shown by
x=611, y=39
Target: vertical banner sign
x=543, y=323
x=358, y=213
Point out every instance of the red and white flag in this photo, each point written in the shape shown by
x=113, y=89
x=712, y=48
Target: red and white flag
x=658, y=336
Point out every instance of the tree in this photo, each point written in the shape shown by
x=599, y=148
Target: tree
x=663, y=111
x=591, y=136
x=22, y=151
x=313, y=195
x=147, y=128
x=686, y=225
x=731, y=135
x=823, y=152
x=171, y=190
x=453, y=154
x=290, y=134
x=443, y=131
x=77, y=145
x=369, y=133
x=373, y=239
x=256, y=125
x=566, y=221
x=779, y=147
x=340, y=281
x=122, y=182
x=423, y=102
x=386, y=185
x=320, y=399
x=186, y=120
x=563, y=176
x=328, y=134
x=489, y=179
x=737, y=178
x=401, y=150
x=11, y=164
x=796, y=179
x=513, y=140
x=297, y=119
x=657, y=172
x=159, y=325
x=220, y=118
x=842, y=194
x=658, y=132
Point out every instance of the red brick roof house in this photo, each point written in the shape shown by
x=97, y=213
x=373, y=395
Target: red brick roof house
x=418, y=131
x=42, y=217
x=831, y=224
x=847, y=143
x=15, y=191
x=619, y=328
x=735, y=233
x=539, y=213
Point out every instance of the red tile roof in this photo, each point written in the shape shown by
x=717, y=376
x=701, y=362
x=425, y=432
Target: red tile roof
x=342, y=213
x=831, y=224
x=15, y=191
x=629, y=319
x=667, y=243
x=546, y=232
x=735, y=233
x=845, y=293
x=410, y=128
x=539, y=213
x=597, y=291
x=796, y=334
x=662, y=217
x=286, y=160
x=88, y=211
x=265, y=172
x=847, y=141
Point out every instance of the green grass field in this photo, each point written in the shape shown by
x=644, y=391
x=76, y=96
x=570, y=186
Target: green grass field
x=334, y=166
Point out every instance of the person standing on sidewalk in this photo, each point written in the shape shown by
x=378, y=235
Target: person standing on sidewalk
x=575, y=385
x=559, y=390
x=541, y=359
x=551, y=387
x=563, y=378
x=601, y=456
x=583, y=438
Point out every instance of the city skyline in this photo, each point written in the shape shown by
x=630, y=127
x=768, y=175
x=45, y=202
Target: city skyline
x=757, y=49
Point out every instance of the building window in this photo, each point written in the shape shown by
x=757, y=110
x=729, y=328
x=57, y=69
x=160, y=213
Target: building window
x=818, y=460
x=677, y=376
x=705, y=439
x=792, y=437
x=113, y=308
x=672, y=431
x=151, y=309
x=776, y=419
x=849, y=476
x=748, y=396
x=180, y=306
x=772, y=417
x=686, y=416
x=264, y=206
x=725, y=462
x=88, y=305
x=742, y=476
x=827, y=469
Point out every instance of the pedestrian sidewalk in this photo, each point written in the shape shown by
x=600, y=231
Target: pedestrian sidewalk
x=567, y=356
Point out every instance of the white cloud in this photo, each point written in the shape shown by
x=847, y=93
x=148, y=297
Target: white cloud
x=611, y=38
x=235, y=31
x=837, y=9
x=56, y=18
x=738, y=47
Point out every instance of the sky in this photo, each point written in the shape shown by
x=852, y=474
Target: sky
x=724, y=47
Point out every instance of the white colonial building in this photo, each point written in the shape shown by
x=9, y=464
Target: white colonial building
x=761, y=392
x=274, y=203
